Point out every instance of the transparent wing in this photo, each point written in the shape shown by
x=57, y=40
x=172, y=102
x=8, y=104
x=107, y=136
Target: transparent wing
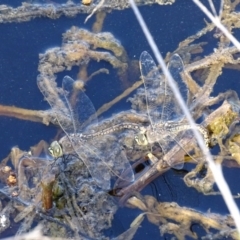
x=101, y=165
x=56, y=100
x=160, y=100
x=71, y=106
x=79, y=105
x=169, y=139
x=154, y=85
x=162, y=107
x=91, y=160
x=171, y=110
x=180, y=143
x=103, y=162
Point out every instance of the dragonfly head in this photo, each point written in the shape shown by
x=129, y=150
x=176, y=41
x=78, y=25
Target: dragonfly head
x=55, y=149
x=141, y=139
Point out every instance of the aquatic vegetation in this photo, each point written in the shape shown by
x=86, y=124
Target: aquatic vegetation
x=78, y=48
x=28, y=11
x=171, y=218
x=69, y=195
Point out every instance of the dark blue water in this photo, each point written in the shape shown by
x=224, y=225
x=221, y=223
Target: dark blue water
x=20, y=46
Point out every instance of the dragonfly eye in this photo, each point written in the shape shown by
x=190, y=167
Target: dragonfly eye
x=55, y=150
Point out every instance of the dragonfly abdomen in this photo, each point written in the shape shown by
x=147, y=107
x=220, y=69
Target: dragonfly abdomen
x=116, y=128
x=175, y=128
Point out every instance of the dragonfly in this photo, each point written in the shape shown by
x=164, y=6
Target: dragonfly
x=75, y=105
x=167, y=121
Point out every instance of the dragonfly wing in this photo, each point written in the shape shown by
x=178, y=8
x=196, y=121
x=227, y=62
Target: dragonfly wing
x=161, y=103
x=167, y=144
x=171, y=110
x=158, y=98
x=120, y=166
x=101, y=165
x=153, y=90
x=71, y=106
x=104, y=161
x=112, y=157
x=91, y=160
x=80, y=106
x=56, y=100
x=179, y=147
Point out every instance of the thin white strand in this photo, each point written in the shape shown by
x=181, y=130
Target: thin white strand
x=216, y=170
x=212, y=8
x=218, y=24
x=94, y=10
x=221, y=9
